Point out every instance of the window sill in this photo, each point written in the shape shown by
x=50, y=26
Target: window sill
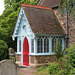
x=38, y=54
x=18, y=53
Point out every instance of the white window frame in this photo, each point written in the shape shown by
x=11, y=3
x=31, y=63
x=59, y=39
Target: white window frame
x=32, y=45
x=19, y=44
x=56, y=40
x=50, y=46
x=43, y=45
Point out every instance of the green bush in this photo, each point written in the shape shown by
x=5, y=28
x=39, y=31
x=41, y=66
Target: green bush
x=66, y=64
x=53, y=68
x=58, y=51
x=4, y=53
x=72, y=72
x=71, y=54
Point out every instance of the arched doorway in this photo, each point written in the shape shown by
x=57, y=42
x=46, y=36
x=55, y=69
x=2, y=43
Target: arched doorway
x=26, y=52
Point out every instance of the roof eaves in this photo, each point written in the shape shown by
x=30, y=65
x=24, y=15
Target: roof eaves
x=35, y=6
x=45, y=34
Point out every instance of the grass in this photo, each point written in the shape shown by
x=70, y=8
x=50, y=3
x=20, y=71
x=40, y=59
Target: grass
x=42, y=73
x=43, y=70
x=20, y=74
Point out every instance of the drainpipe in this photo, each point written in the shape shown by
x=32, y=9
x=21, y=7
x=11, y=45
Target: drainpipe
x=67, y=28
x=66, y=23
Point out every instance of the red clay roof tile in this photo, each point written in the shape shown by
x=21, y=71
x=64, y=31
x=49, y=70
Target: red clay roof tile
x=42, y=7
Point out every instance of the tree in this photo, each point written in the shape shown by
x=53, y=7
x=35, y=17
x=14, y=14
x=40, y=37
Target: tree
x=4, y=54
x=8, y=19
x=68, y=5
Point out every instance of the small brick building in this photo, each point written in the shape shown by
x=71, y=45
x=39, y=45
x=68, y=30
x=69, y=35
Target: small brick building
x=37, y=30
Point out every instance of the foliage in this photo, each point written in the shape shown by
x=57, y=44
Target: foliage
x=71, y=54
x=4, y=53
x=20, y=74
x=72, y=72
x=64, y=66
x=33, y=2
x=43, y=70
x=58, y=51
x=68, y=5
x=8, y=20
x=53, y=68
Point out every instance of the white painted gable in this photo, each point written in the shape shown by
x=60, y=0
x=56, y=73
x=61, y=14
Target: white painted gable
x=22, y=27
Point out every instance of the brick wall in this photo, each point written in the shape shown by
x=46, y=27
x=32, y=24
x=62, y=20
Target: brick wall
x=18, y=57
x=42, y=60
x=71, y=25
x=45, y=59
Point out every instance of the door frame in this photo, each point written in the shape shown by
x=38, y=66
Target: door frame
x=22, y=49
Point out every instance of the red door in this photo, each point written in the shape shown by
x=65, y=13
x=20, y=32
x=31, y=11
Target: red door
x=26, y=52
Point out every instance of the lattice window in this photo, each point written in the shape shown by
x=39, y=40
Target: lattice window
x=42, y=45
x=55, y=41
x=39, y=45
x=32, y=45
x=20, y=44
x=46, y=45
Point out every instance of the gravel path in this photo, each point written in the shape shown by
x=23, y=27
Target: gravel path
x=26, y=71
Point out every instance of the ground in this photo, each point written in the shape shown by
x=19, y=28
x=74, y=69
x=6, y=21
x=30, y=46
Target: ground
x=26, y=71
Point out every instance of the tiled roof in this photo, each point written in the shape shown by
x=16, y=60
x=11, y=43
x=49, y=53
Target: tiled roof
x=49, y=3
x=42, y=20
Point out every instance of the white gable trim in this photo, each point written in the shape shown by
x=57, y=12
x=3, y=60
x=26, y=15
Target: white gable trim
x=17, y=23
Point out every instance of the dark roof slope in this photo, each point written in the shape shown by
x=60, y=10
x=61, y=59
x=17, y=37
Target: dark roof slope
x=49, y=3
x=42, y=20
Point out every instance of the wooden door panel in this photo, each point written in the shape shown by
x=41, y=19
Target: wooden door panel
x=26, y=52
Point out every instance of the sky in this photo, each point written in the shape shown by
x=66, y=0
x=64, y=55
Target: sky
x=1, y=6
